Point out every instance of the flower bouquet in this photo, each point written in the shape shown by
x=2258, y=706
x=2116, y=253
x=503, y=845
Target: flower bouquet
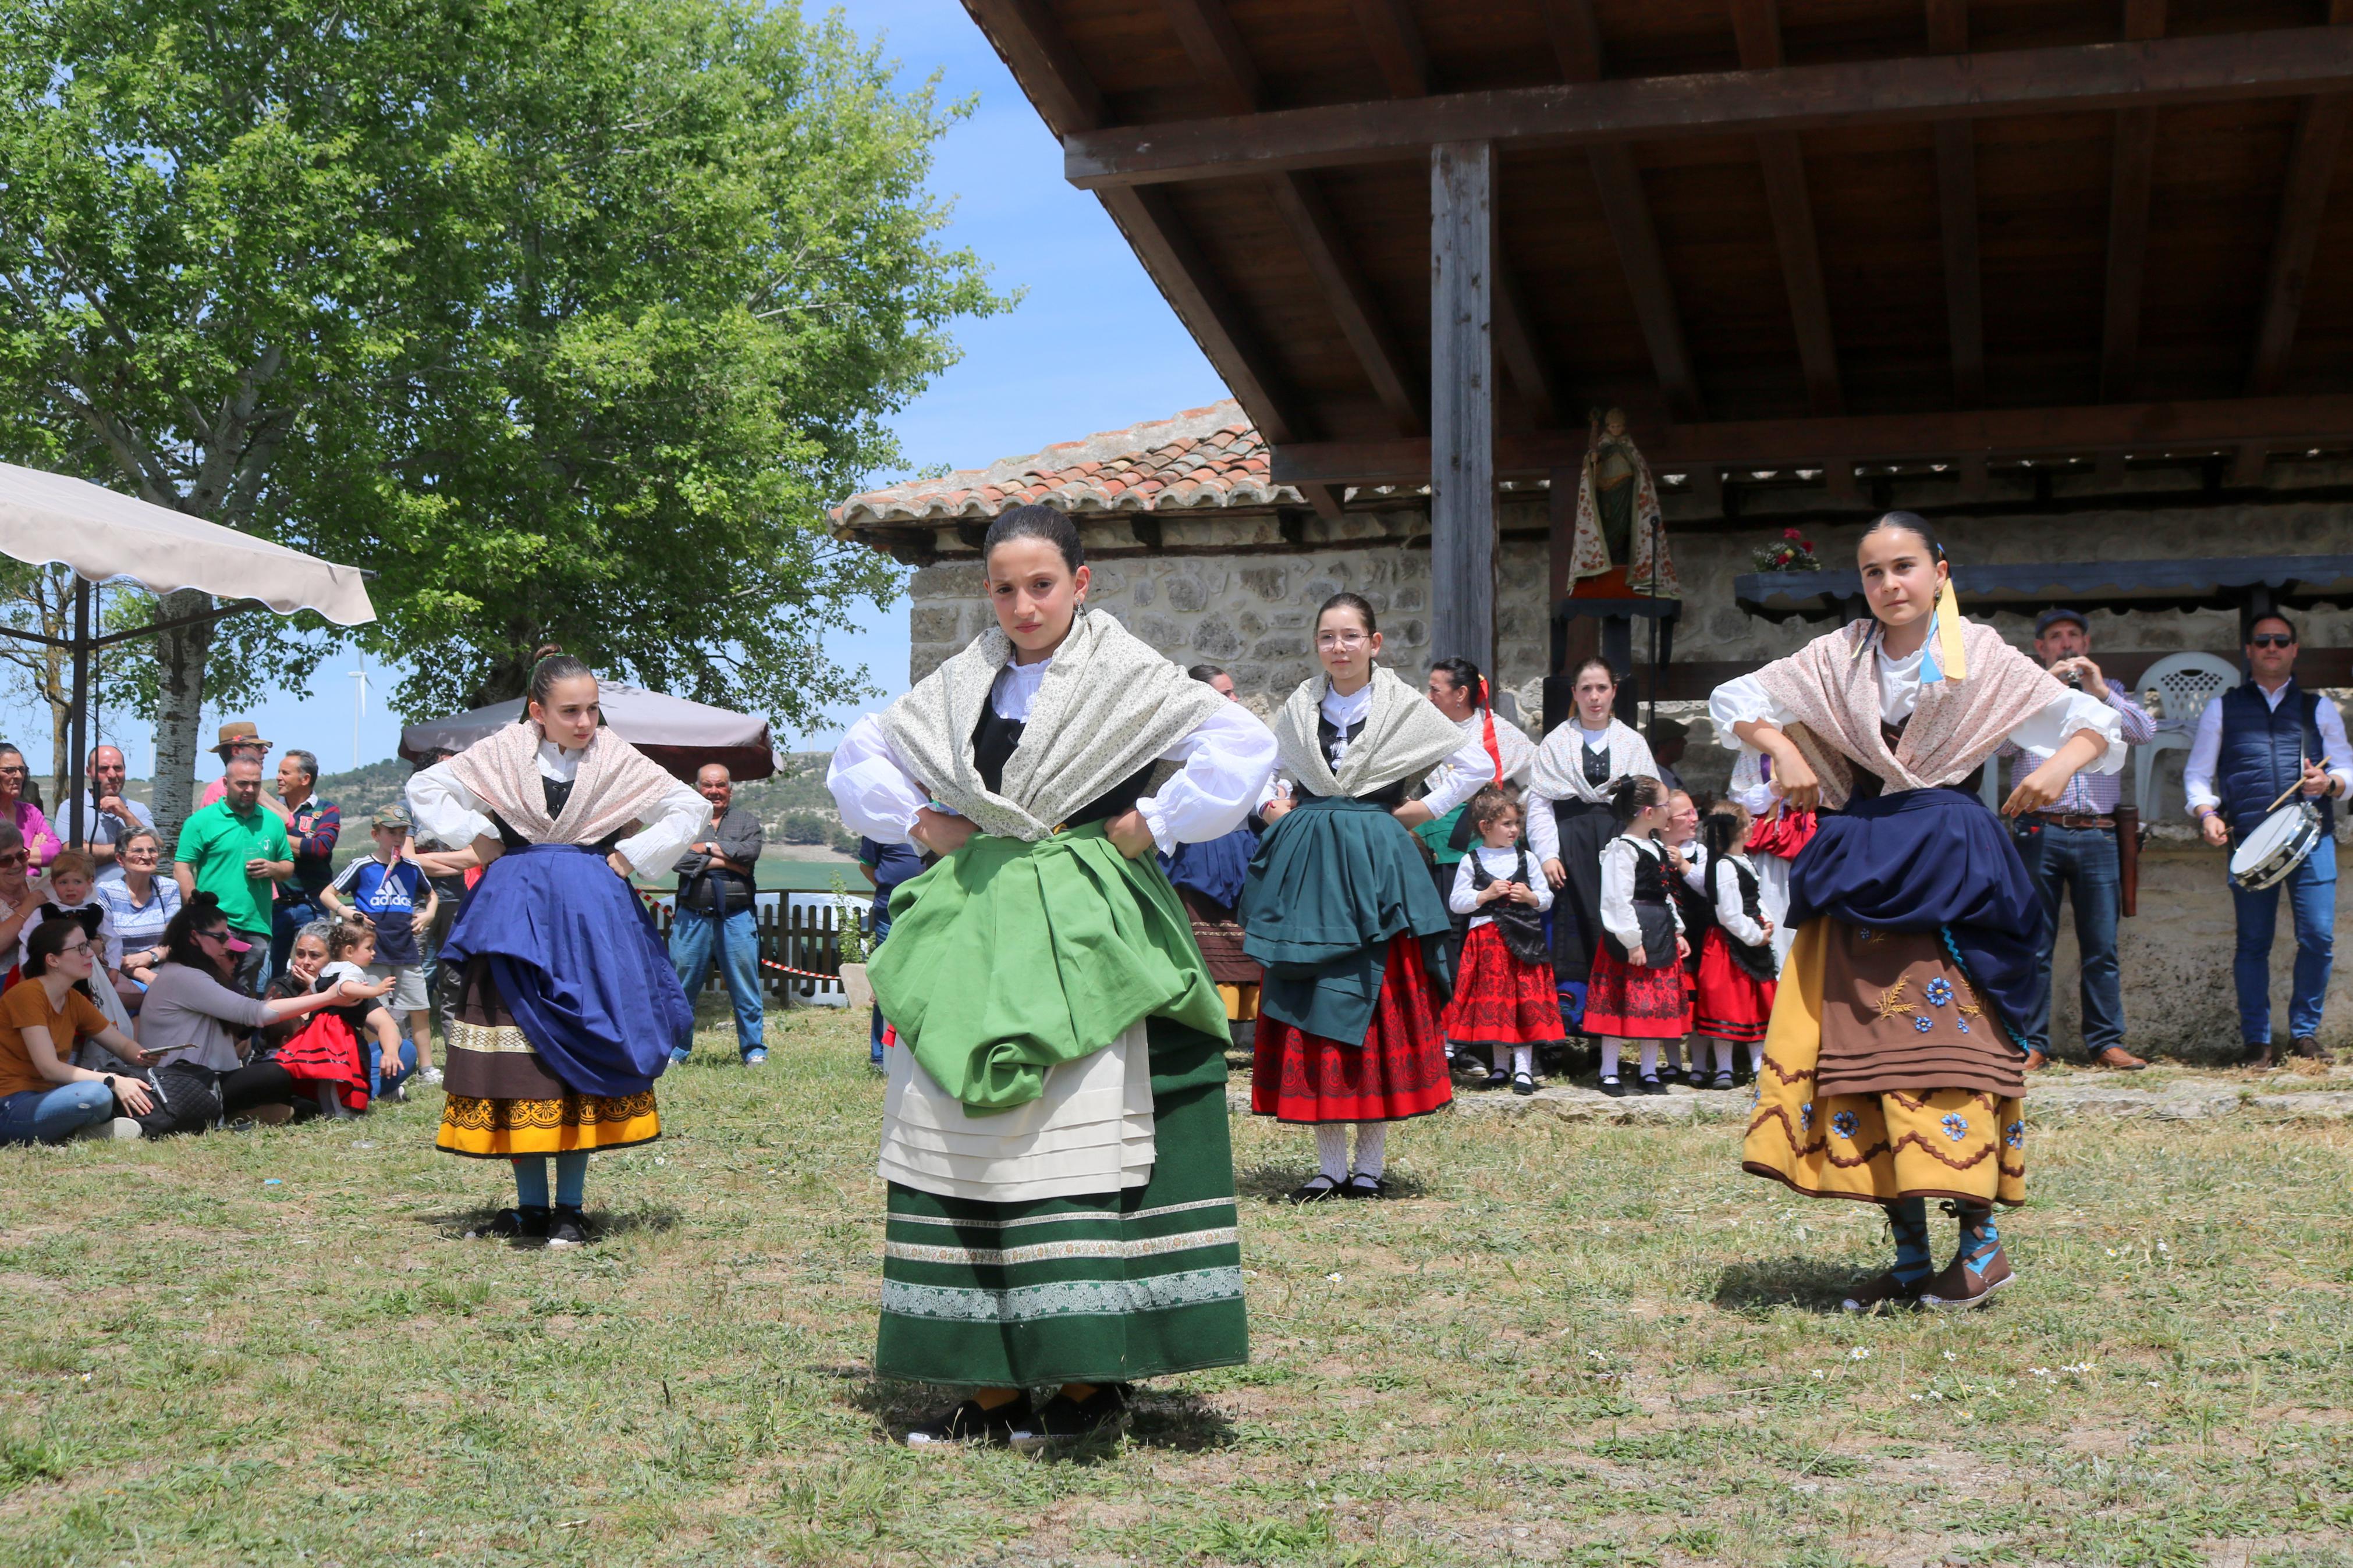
x=1794, y=554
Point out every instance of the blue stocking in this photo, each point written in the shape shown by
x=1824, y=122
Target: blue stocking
x=1908, y=1217
x=571, y=1178
x=531, y=1181
x=1980, y=1238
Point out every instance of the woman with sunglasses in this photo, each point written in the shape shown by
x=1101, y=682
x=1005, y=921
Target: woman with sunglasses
x=44, y=1098
x=25, y=817
x=195, y=1020
x=18, y=897
x=140, y=905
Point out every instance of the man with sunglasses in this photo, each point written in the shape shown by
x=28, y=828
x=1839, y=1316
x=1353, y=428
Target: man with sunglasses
x=2254, y=743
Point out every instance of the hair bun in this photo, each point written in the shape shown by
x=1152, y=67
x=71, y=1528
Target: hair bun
x=205, y=901
x=547, y=650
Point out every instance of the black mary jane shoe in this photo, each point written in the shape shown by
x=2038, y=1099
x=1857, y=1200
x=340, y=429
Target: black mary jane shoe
x=1523, y=1084
x=1314, y=1190
x=1361, y=1185
x=1613, y=1086
x=1652, y=1086
x=999, y=1426
x=568, y=1226
x=1722, y=1080
x=515, y=1224
x=1066, y=1423
x=1498, y=1079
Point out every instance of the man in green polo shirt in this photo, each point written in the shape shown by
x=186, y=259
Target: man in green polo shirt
x=236, y=851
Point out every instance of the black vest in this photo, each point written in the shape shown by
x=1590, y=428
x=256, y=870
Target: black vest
x=558, y=794
x=1653, y=896
x=995, y=736
x=1389, y=796
x=1869, y=785
x=1521, y=927
x=1757, y=961
x=2260, y=748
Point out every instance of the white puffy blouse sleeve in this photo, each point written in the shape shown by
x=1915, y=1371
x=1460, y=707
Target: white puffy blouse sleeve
x=2049, y=728
x=441, y=808
x=670, y=827
x=877, y=797
x=1618, y=916
x=1228, y=762
x=1744, y=700
x=1543, y=828
x=1463, y=775
x=1730, y=912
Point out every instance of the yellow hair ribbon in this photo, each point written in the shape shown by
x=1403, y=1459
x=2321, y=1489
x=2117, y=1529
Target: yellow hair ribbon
x=1949, y=655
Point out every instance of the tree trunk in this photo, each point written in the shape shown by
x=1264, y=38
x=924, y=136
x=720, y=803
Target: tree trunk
x=179, y=706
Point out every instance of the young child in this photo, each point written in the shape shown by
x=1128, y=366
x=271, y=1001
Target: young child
x=1687, y=860
x=1504, y=995
x=66, y=894
x=1737, y=967
x=1637, y=992
x=395, y=896
x=351, y=955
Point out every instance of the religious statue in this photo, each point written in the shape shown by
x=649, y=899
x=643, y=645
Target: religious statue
x=1618, y=526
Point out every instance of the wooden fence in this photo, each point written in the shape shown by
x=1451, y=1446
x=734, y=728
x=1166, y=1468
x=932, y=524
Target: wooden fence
x=803, y=936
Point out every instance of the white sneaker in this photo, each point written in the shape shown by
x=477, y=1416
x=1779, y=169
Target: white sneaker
x=119, y=1130
x=427, y=1075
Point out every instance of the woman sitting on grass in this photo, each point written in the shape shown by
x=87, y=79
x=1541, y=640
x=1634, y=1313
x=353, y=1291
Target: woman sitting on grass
x=44, y=1098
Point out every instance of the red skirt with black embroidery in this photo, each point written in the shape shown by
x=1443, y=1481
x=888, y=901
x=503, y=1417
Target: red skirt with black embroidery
x=1498, y=999
x=1734, y=1005
x=1632, y=1004
x=1397, y=1070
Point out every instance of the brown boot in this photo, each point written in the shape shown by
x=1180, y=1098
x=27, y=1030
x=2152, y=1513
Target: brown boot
x=2258, y=1058
x=1886, y=1293
x=2310, y=1049
x=1961, y=1286
x=2036, y=1061
x=2119, y=1057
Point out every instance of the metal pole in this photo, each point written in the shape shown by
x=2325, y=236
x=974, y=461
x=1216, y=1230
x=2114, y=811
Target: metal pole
x=77, y=720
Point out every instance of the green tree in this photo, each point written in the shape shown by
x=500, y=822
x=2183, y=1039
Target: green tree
x=567, y=317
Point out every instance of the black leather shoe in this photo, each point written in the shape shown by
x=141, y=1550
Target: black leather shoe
x=1652, y=1086
x=568, y=1226
x=1613, y=1086
x=1361, y=1185
x=996, y=1428
x=1315, y=1189
x=1523, y=1084
x=1063, y=1422
x=517, y=1225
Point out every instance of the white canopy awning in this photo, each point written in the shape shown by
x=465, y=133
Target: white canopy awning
x=107, y=536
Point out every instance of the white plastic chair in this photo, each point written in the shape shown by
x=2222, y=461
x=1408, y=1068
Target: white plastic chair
x=2185, y=683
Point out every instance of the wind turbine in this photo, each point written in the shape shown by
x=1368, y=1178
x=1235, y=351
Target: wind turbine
x=359, y=706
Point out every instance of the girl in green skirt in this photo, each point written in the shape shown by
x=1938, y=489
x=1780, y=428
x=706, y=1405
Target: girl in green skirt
x=1061, y=1182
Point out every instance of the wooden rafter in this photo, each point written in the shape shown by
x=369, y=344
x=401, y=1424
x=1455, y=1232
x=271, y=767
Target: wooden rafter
x=1390, y=33
x=2130, y=174
x=1034, y=48
x=1756, y=27
x=1215, y=48
x=2217, y=68
x=1965, y=437
x=1957, y=215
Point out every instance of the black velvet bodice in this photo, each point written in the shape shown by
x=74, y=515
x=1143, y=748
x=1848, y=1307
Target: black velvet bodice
x=1869, y=785
x=1597, y=764
x=993, y=741
x=1389, y=796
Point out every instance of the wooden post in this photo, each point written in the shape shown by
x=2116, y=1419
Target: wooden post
x=1462, y=404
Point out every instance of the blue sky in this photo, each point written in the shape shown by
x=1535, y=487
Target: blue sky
x=1093, y=347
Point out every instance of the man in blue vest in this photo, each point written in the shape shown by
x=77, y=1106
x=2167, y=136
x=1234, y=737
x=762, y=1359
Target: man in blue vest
x=2254, y=743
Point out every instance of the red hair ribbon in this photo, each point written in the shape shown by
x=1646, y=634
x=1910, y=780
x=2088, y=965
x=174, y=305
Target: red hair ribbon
x=1488, y=735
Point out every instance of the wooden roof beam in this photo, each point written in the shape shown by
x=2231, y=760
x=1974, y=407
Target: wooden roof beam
x=1965, y=437
x=2216, y=67
x=1034, y=48
x=1756, y=27
x=2131, y=169
x=1957, y=218
x=1395, y=40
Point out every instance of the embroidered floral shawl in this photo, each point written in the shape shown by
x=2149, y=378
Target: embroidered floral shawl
x=616, y=784
x=1404, y=734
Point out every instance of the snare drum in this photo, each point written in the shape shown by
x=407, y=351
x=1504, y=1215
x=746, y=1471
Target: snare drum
x=2275, y=849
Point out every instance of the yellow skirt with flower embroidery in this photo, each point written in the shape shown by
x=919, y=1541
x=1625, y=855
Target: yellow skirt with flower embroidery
x=501, y=1101
x=1925, y=1142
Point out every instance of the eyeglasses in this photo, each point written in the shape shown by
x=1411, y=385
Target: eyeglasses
x=2271, y=639
x=82, y=946
x=1341, y=639
x=19, y=857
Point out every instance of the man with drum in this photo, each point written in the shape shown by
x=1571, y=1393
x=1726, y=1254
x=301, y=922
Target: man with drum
x=2257, y=745
x=2071, y=846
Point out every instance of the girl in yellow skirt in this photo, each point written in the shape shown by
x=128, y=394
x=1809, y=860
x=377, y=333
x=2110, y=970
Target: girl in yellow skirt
x=567, y=1006
x=1891, y=1072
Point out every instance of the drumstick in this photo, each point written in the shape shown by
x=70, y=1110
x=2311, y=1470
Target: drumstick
x=2302, y=762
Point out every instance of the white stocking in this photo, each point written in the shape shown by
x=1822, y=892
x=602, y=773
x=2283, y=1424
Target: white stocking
x=1723, y=1056
x=1332, y=1150
x=1524, y=1059
x=1609, y=1056
x=1372, y=1148
x=1650, y=1058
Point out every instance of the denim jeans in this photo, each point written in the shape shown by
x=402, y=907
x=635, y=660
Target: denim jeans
x=376, y=1086
x=878, y=927
x=2083, y=859
x=286, y=923
x=692, y=937
x=2312, y=901
x=54, y=1115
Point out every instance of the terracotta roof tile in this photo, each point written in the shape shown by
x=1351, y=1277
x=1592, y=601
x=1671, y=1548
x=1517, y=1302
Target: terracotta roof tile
x=1207, y=458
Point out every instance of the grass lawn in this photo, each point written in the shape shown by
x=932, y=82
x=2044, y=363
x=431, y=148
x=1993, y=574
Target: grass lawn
x=1583, y=1344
